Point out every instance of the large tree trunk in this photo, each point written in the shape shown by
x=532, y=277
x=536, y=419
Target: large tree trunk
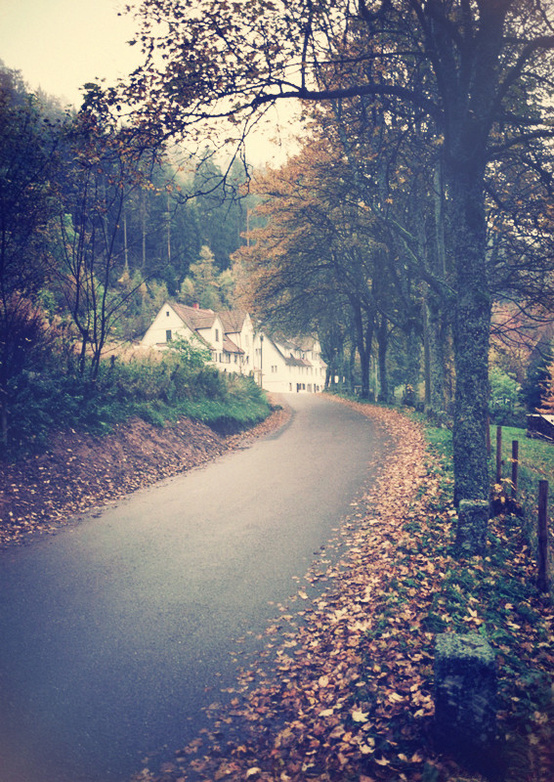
x=364, y=339
x=471, y=334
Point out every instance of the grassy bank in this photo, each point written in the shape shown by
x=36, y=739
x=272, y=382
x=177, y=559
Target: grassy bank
x=156, y=388
x=497, y=595
x=536, y=462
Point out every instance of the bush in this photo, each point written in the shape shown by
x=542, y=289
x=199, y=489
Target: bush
x=156, y=388
x=505, y=406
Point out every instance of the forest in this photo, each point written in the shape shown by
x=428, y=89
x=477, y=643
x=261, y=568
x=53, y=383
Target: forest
x=98, y=227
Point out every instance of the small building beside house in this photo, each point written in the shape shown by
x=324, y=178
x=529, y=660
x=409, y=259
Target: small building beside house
x=278, y=365
x=292, y=366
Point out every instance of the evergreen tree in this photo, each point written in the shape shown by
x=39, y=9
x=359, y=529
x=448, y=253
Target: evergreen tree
x=202, y=285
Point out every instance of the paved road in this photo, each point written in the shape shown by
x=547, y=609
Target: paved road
x=115, y=631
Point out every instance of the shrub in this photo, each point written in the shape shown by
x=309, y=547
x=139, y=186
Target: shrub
x=156, y=388
x=505, y=407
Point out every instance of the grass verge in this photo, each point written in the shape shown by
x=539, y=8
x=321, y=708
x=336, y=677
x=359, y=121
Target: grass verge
x=497, y=595
x=158, y=389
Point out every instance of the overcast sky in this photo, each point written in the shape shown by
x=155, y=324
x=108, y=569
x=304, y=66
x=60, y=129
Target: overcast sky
x=59, y=45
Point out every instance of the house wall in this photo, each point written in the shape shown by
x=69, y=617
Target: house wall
x=165, y=321
x=244, y=339
x=214, y=336
x=280, y=374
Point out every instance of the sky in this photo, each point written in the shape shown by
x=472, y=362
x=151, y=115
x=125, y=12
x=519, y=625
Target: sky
x=60, y=45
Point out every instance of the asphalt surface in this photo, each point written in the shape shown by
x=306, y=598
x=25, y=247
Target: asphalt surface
x=115, y=632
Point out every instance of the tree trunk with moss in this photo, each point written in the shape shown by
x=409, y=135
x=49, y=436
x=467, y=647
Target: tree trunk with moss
x=472, y=324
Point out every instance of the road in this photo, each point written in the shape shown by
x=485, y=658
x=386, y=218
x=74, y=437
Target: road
x=117, y=630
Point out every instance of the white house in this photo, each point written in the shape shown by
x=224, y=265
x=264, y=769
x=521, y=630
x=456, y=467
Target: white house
x=224, y=334
x=278, y=365
x=291, y=366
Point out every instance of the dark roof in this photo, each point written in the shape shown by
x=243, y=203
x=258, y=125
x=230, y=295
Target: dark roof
x=195, y=318
x=233, y=320
x=291, y=361
x=230, y=347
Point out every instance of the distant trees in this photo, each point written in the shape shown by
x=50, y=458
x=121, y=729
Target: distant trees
x=101, y=166
x=202, y=285
x=96, y=223
x=319, y=257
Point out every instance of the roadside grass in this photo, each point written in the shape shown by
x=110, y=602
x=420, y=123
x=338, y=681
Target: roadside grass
x=157, y=389
x=536, y=462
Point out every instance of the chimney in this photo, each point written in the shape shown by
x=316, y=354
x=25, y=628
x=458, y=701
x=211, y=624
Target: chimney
x=196, y=306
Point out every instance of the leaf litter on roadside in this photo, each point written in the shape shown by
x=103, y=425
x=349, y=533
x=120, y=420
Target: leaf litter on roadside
x=80, y=471
x=343, y=688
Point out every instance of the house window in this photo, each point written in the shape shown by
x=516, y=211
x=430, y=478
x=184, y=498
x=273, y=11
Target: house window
x=220, y=359
x=168, y=335
x=167, y=313
x=217, y=335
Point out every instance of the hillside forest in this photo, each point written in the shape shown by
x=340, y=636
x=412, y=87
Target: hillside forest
x=98, y=227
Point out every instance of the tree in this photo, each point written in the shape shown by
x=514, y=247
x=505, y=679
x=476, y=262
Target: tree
x=454, y=64
x=318, y=255
x=538, y=376
x=202, y=285
x=103, y=165
x=223, y=216
x=28, y=142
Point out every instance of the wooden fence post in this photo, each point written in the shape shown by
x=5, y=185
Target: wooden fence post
x=515, y=465
x=498, y=454
x=543, y=580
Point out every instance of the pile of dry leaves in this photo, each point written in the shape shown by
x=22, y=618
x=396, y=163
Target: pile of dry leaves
x=343, y=691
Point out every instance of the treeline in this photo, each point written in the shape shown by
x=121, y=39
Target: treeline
x=354, y=245
x=99, y=224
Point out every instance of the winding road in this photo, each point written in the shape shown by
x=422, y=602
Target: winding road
x=116, y=631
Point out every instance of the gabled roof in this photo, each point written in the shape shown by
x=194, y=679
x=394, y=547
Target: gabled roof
x=291, y=361
x=197, y=319
x=233, y=320
x=230, y=347
x=193, y=317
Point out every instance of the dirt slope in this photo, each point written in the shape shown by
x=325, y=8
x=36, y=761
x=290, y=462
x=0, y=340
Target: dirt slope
x=80, y=471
